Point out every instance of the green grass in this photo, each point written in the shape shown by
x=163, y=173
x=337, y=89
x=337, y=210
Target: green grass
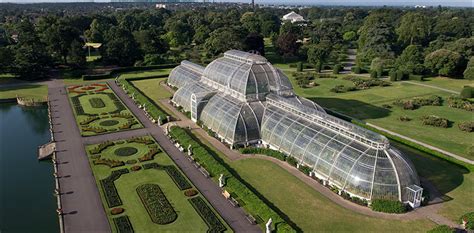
x=153, y=89
x=34, y=91
x=143, y=74
x=103, y=113
x=447, y=83
x=188, y=219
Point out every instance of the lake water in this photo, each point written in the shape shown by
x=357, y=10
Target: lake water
x=27, y=203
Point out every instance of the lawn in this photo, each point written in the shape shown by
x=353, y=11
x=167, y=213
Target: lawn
x=447, y=83
x=309, y=209
x=152, y=89
x=34, y=91
x=188, y=219
x=144, y=74
x=98, y=110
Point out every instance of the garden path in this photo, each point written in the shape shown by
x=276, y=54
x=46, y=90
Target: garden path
x=431, y=86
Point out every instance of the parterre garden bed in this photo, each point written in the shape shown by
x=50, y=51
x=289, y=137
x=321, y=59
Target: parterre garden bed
x=98, y=110
x=150, y=193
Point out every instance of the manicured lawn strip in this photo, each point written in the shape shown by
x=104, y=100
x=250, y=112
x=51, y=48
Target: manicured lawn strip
x=157, y=205
x=123, y=225
x=207, y=214
x=152, y=88
x=173, y=172
x=110, y=192
x=155, y=112
x=250, y=201
x=34, y=91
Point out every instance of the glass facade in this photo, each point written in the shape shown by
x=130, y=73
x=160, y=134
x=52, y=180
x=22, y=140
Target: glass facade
x=245, y=100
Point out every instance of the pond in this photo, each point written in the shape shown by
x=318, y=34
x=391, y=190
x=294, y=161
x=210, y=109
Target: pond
x=27, y=203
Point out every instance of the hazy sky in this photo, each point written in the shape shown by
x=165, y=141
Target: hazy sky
x=461, y=3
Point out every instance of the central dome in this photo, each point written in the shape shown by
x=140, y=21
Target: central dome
x=246, y=76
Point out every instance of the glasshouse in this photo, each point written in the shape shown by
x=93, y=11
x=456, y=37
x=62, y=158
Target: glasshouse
x=246, y=101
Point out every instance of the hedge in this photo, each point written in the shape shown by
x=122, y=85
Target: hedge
x=119, y=70
x=206, y=213
x=467, y=92
x=123, y=225
x=110, y=192
x=264, y=151
x=388, y=206
x=470, y=220
x=253, y=204
x=173, y=172
x=156, y=204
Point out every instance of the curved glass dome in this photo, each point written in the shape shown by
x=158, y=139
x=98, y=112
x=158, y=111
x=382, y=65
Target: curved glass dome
x=185, y=73
x=353, y=166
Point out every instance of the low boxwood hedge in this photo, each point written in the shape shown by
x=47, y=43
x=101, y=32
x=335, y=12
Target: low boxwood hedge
x=253, y=204
x=123, y=224
x=173, y=172
x=156, y=204
x=264, y=151
x=206, y=213
x=110, y=192
x=96, y=102
x=388, y=206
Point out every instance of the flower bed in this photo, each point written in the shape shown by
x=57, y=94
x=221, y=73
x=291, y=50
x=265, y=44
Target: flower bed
x=109, y=123
x=110, y=192
x=150, y=154
x=123, y=225
x=109, y=162
x=190, y=193
x=264, y=151
x=157, y=205
x=388, y=206
x=99, y=148
x=135, y=168
x=142, y=140
x=125, y=151
x=206, y=213
x=116, y=211
x=89, y=120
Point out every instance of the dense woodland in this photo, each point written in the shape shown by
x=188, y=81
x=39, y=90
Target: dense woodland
x=35, y=38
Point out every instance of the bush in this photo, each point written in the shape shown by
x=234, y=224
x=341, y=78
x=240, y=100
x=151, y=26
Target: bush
x=342, y=89
x=264, y=151
x=117, y=210
x=299, y=67
x=435, y=121
x=96, y=102
x=173, y=172
x=418, y=102
x=457, y=102
x=393, y=75
x=123, y=225
x=190, y=192
x=135, y=168
x=356, y=70
x=401, y=75
x=292, y=161
x=305, y=169
x=388, y=206
x=442, y=229
x=467, y=126
x=131, y=161
x=318, y=67
x=156, y=204
x=404, y=118
x=415, y=77
x=150, y=155
x=373, y=74
x=336, y=69
x=467, y=92
x=100, y=147
x=109, y=162
x=108, y=187
x=206, y=213
x=469, y=217
x=361, y=83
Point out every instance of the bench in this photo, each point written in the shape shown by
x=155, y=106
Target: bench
x=251, y=219
x=204, y=172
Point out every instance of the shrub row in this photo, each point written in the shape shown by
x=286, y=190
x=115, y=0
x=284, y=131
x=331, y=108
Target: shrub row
x=457, y=102
x=118, y=104
x=123, y=224
x=206, y=213
x=129, y=124
x=96, y=102
x=435, y=121
x=151, y=107
x=88, y=120
x=96, y=130
x=150, y=154
x=388, y=206
x=110, y=192
x=207, y=159
x=109, y=162
x=100, y=147
x=117, y=71
x=122, y=115
x=361, y=83
x=142, y=140
x=264, y=151
x=77, y=105
x=156, y=204
x=342, y=89
x=354, y=199
x=418, y=102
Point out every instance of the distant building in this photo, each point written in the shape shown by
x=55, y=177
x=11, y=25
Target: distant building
x=293, y=17
x=160, y=6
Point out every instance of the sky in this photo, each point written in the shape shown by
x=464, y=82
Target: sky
x=458, y=3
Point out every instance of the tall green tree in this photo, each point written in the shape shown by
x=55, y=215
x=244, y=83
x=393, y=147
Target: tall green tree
x=444, y=62
x=178, y=32
x=411, y=60
x=415, y=28
x=120, y=47
x=469, y=72
x=77, y=54
x=150, y=41
x=286, y=44
x=376, y=38
x=319, y=53
x=224, y=39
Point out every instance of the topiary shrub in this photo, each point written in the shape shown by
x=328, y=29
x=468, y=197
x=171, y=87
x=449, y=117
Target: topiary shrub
x=469, y=218
x=393, y=75
x=356, y=70
x=299, y=67
x=388, y=206
x=404, y=118
x=116, y=211
x=373, y=74
x=336, y=69
x=190, y=192
x=442, y=229
x=467, y=126
x=467, y=92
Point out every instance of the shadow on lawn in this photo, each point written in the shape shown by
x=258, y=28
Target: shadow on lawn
x=354, y=108
x=444, y=175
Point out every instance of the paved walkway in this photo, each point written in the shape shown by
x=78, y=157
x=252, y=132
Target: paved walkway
x=424, y=144
x=235, y=217
x=80, y=197
x=430, y=86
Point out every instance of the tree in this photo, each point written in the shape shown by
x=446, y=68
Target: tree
x=120, y=47
x=286, y=44
x=415, y=28
x=450, y=25
x=150, y=41
x=202, y=33
x=250, y=21
x=6, y=59
x=443, y=62
x=464, y=46
x=255, y=42
x=411, y=60
x=269, y=23
x=77, y=54
x=376, y=38
x=179, y=33
x=319, y=53
x=224, y=39
x=469, y=72
x=329, y=31
x=350, y=36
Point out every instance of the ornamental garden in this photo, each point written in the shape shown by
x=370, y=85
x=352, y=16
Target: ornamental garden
x=98, y=110
x=142, y=190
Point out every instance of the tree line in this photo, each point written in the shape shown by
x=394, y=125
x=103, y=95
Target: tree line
x=417, y=41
